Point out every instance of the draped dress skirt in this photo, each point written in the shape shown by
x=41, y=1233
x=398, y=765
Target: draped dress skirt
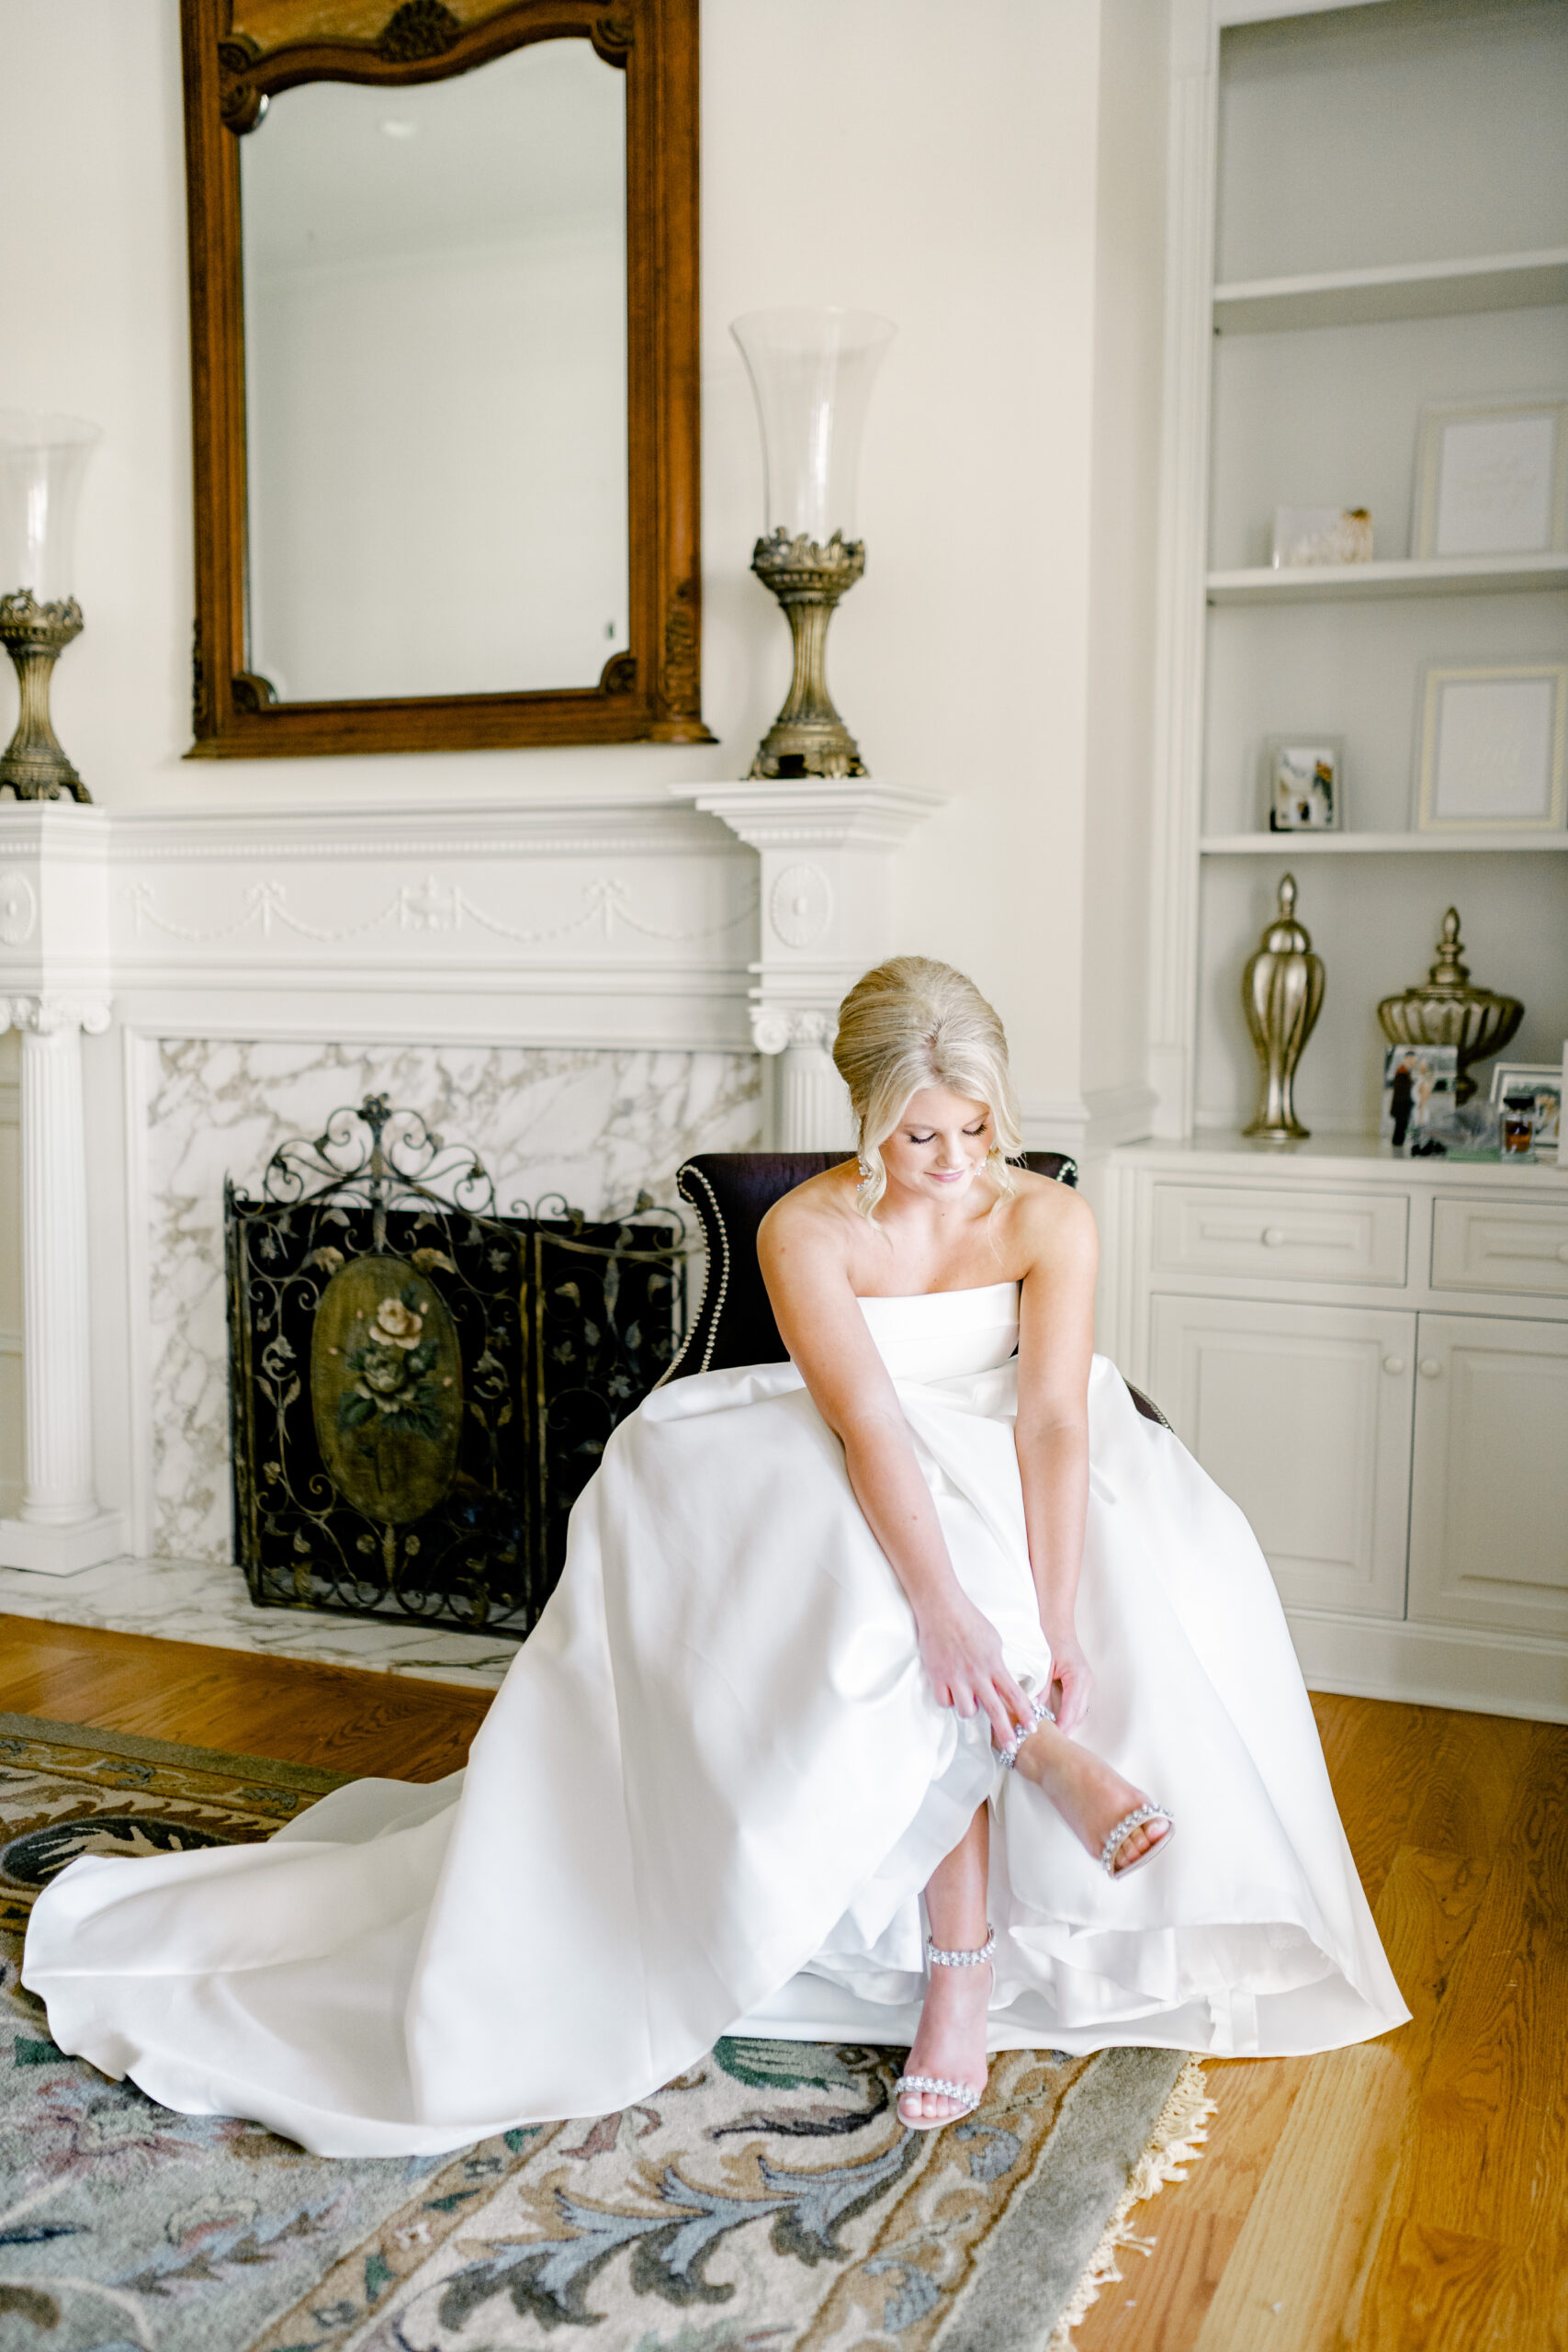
x=715, y=1779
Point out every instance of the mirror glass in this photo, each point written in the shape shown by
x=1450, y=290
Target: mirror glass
x=436, y=380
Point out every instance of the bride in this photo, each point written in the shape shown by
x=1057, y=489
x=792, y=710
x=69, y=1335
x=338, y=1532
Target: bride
x=793, y=1750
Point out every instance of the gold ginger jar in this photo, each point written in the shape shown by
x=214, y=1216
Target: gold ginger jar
x=1446, y=1010
x=1281, y=994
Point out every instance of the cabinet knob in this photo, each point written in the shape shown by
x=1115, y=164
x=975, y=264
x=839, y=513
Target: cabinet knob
x=1562, y=1252
x=1430, y=1368
x=1393, y=1363
x=1273, y=1238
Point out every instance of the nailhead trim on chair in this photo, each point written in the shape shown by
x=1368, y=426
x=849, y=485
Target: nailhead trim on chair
x=712, y=1339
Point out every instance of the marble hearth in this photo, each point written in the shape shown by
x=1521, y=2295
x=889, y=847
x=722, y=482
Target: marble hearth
x=584, y=991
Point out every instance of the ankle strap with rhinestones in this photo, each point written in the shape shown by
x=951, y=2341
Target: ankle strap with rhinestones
x=1039, y=1713
x=963, y=1959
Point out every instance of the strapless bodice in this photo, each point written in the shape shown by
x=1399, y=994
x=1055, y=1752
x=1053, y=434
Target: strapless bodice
x=944, y=1334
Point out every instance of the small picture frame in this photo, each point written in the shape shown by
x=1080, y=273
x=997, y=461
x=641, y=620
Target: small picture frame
x=1304, y=783
x=1492, y=478
x=1492, y=748
x=1418, y=1084
x=1528, y=1100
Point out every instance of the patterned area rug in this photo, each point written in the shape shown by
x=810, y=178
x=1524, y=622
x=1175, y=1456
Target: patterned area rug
x=768, y=2202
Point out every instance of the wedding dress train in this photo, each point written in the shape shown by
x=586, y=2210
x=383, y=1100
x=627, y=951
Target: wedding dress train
x=716, y=1778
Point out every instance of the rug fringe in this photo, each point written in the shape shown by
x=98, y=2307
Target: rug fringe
x=1179, y=2130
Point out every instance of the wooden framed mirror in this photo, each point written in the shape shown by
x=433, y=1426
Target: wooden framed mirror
x=444, y=377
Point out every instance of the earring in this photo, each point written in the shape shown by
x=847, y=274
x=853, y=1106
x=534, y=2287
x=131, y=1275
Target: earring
x=865, y=1167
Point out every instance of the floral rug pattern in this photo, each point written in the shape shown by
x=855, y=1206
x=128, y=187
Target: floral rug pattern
x=768, y=2202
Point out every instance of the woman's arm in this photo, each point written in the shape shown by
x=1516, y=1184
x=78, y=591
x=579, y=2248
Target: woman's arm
x=1055, y=1344
x=804, y=1267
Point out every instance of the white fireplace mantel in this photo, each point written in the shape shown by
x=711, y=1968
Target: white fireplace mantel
x=825, y=915
x=728, y=917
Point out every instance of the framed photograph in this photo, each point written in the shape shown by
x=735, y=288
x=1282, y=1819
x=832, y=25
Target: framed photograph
x=1312, y=534
x=1304, y=783
x=1490, y=741
x=1418, y=1084
x=1492, y=478
x=1527, y=1098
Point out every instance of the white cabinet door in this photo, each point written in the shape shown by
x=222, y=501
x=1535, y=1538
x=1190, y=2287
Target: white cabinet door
x=1489, y=1497
x=1303, y=1415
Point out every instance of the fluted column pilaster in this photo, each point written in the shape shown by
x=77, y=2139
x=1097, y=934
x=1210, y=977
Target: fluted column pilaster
x=811, y=1110
x=60, y=1528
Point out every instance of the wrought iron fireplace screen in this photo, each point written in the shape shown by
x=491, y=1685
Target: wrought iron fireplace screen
x=420, y=1386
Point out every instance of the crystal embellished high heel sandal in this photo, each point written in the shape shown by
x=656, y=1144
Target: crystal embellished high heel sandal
x=964, y=2094
x=1117, y=1838
x=1124, y=1830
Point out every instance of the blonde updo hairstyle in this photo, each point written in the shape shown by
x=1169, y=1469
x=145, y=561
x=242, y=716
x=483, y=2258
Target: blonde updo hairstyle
x=911, y=1023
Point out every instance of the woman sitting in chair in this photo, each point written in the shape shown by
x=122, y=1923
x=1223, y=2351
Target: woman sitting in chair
x=818, y=1657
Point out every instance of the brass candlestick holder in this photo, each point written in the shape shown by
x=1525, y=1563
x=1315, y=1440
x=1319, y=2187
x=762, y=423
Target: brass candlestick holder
x=43, y=457
x=1281, y=994
x=808, y=738
x=811, y=373
x=35, y=636
x=1446, y=1010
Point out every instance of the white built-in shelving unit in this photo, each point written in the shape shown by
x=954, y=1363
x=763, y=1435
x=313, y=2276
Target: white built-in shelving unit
x=1370, y=214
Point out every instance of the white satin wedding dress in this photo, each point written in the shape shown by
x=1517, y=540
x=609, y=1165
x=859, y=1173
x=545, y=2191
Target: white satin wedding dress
x=708, y=1795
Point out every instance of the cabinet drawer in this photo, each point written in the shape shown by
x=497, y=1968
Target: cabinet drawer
x=1292, y=1237
x=1500, y=1245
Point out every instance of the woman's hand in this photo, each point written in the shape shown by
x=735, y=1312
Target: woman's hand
x=1072, y=1679
x=962, y=1652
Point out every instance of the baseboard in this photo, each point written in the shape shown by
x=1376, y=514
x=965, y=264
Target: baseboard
x=1433, y=1666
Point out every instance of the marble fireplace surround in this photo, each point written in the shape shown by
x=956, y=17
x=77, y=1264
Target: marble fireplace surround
x=585, y=990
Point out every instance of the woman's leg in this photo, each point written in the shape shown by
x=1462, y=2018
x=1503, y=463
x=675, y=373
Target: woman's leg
x=951, y=2042
x=1090, y=1796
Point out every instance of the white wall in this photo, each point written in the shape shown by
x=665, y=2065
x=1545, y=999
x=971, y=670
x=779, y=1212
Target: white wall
x=941, y=164
x=1128, y=383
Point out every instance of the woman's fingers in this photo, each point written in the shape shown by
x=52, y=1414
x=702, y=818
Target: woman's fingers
x=1077, y=1683
x=1019, y=1702
x=1004, y=1731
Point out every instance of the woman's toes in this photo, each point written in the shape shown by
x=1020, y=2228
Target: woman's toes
x=1137, y=1843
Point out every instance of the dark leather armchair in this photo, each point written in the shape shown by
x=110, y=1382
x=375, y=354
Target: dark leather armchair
x=731, y=1192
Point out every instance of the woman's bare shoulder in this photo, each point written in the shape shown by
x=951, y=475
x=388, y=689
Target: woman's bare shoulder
x=1048, y=1222
x=817, y=1214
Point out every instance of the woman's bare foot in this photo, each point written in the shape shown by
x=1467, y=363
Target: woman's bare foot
x=950, y=2043
x=1090, y=1796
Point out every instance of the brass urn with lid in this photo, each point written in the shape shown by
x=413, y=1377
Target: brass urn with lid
x=1446, y=1010
x=1281, y=994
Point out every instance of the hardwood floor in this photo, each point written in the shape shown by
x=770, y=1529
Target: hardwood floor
x=327, y=1715
x=1410, y=2195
